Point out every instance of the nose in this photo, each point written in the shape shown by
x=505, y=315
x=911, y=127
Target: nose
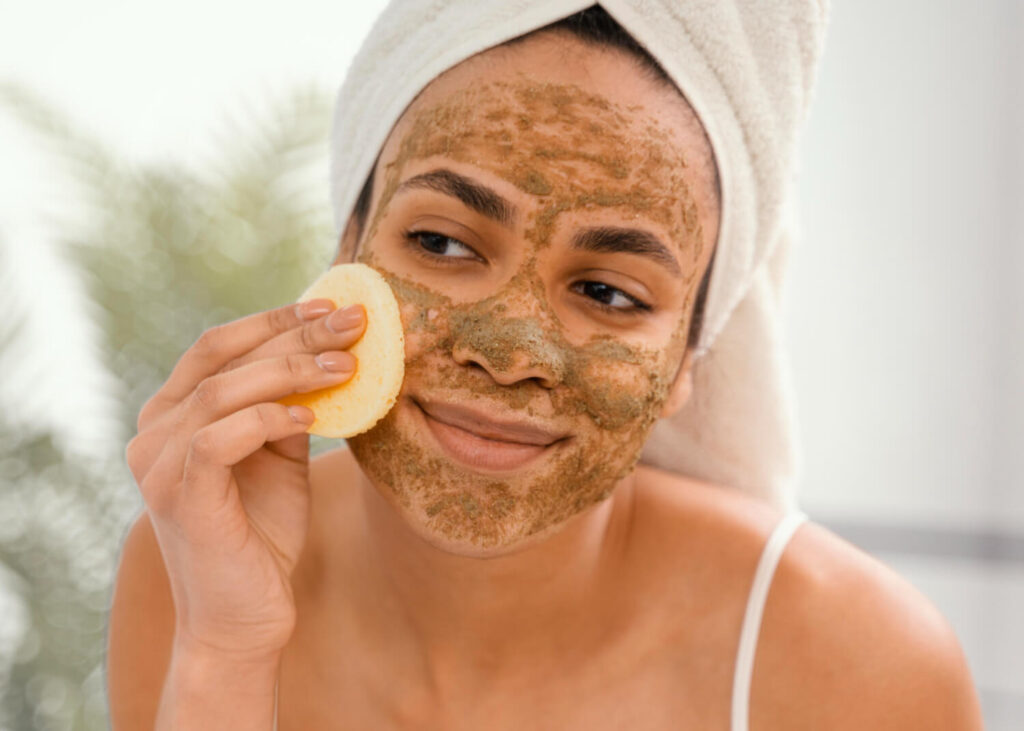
x=509, y=348
x=515, y=367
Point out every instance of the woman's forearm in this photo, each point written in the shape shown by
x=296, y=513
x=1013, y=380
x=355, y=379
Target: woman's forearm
x=208, y=689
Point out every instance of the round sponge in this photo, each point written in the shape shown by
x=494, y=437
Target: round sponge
x=355, y=406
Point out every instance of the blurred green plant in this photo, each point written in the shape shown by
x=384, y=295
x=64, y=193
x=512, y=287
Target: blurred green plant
x=165, y=252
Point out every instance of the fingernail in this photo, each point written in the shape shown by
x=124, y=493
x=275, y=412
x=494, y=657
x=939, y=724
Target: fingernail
x=336, y=360
x=301, y=414
x=313, y=309
x=345, y=319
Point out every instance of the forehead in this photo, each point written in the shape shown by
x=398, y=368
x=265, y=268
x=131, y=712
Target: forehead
x=612, y=77
x=572, y=85
x=573, y=124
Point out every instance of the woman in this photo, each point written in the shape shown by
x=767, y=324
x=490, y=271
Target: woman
x=491, y=554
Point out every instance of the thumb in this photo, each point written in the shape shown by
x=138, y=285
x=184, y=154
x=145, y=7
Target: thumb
x=294, y=447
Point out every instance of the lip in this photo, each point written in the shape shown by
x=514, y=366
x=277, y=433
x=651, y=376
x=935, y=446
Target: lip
x=476, y=422
x=482, y=442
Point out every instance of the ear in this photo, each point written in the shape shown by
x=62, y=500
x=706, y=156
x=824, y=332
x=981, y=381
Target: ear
x=682, y=387
x=347, y=244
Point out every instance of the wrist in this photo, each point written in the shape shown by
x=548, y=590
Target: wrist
x=206, y=654
x=211, y=688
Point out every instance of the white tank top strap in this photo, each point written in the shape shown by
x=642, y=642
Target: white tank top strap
x=276, y=686
x=744, y=669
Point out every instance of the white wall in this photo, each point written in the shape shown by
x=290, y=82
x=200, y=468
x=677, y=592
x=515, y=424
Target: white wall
x=901, y=289
x=907, y=310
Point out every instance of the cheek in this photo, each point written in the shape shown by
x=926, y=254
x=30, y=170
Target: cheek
x=425, y=328
x=423, y=313
x=620, y=396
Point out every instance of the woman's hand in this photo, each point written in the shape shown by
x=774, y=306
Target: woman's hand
x=224, y=471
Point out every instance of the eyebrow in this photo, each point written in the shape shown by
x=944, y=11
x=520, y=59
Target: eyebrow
x=484, y=200
x=610, y=239
x=479, y=197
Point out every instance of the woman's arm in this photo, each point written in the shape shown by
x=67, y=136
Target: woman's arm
x=244, y=697
x=151, y=673
x=203, y=605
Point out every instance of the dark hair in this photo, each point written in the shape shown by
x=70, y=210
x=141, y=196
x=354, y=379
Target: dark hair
x=595, y=26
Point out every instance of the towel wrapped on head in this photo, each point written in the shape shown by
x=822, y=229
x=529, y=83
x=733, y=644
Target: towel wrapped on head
x=747, y=68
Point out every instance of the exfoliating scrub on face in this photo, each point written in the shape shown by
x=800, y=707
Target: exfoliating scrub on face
x=568, y=152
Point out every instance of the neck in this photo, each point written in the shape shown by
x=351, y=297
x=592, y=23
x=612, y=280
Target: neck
x=468, y=620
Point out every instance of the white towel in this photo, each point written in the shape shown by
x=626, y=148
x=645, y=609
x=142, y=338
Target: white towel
x=747, y=67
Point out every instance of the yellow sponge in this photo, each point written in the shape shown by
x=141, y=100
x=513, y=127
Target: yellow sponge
x=353, y=407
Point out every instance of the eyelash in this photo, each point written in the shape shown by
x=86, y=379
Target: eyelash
x=414, y=241
x=637, y=306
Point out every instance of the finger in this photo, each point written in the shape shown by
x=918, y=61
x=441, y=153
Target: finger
x=217, y=447
x=338, y=331
x=153, y=435
x=294, y=448
x=209, y=455
x=223, y=343
x=142, y=450
x=266, y=380
x=222, y=394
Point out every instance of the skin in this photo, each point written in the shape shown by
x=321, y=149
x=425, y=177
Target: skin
x=601, y=603
x=501, y=326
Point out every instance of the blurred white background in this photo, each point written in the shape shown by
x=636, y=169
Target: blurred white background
x=907, y=311
x=905, y=300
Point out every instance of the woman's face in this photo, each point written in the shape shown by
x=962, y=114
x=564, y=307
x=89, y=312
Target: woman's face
x=544, y=214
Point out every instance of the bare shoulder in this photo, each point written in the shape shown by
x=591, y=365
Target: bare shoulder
x=846, y=643
x=141, y=631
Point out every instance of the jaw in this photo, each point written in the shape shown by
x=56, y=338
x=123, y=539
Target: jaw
x=473, y=512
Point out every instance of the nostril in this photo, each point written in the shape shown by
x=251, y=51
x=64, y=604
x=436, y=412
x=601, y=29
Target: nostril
x=464, y=358
x=507, y=367
x=546, y=383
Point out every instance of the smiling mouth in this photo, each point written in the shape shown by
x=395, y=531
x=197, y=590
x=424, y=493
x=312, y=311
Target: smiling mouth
x=484, y=444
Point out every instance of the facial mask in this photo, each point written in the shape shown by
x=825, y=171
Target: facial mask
x=570, y=152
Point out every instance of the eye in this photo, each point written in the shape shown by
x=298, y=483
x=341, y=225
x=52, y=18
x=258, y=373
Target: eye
x=435, y=246
x=611, y=299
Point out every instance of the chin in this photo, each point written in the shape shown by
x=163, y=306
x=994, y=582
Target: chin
x=459, y=532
